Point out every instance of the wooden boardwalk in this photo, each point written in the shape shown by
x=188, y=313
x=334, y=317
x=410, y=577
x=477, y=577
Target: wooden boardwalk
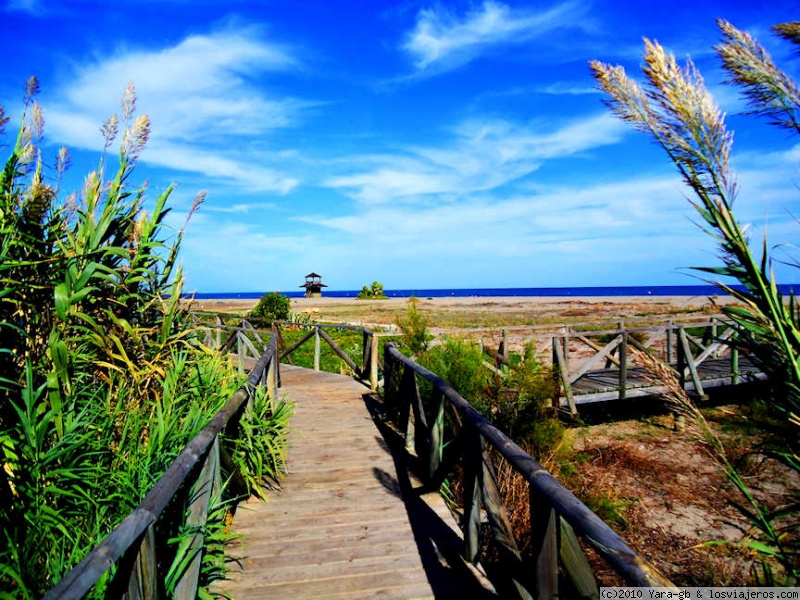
x=603, y=384
x=345, y=523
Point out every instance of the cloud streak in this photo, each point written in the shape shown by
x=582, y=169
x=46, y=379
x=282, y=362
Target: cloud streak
x=204, y=101
x=442, y=41
x=482, y=155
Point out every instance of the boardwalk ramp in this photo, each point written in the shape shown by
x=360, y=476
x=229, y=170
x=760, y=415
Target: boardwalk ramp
x=345, y=523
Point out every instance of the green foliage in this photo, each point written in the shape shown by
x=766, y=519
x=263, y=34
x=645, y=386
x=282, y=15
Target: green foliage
x=349, y=341
x=101, y=380
x=259, y=448
x=273, y=306
x=373, y=292
x=461, y=365
x=302, y=318
x=516, y=401
x=676, y=109
x=414, y=326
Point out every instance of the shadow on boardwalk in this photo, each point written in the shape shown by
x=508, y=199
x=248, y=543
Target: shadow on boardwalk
x=346, y=522
x=439, y=541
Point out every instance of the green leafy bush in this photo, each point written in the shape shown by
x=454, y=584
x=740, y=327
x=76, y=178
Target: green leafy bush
x=102, y=382
x=373, y=292
x=414, y=326
x=273, y=306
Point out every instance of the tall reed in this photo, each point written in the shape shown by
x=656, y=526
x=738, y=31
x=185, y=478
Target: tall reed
x=677, y=111
x=102, y=381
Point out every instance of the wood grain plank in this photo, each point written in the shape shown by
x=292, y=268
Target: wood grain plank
x=339, y=526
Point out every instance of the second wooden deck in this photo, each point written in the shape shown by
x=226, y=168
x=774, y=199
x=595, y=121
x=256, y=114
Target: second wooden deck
x=345, y=523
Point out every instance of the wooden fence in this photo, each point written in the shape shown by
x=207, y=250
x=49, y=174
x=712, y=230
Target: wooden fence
x=132, y=545
x=249, y=343
x=700, y=353
x=447, y=431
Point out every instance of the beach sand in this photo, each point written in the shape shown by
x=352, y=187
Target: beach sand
x=523, y=318
x=498, y=303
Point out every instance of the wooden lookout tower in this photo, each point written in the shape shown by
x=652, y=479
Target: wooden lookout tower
x=313, y=285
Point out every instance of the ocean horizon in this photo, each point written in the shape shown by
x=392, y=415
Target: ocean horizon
x=544, y=292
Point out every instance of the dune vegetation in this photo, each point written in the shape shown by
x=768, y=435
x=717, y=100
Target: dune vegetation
x=102, y=381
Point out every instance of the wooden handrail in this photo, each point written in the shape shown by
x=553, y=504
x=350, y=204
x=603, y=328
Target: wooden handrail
x=673, y=339
x=131, y=532
x=544, y=487
x=366, y=372
x=710, y=322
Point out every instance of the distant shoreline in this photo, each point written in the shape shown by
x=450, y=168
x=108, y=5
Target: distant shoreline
x=551, y=292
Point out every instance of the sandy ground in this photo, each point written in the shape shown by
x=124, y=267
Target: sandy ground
x=502, y=303
x=485, y=318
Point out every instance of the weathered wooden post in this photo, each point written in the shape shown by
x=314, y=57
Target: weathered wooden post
x=143, y=577
x=681, y=364
x=670, y=342
x=409, y=407
x=273, y=380
x=366, y=348
x=544, y=544
x=199, y=501
x=623, y=365
x=373, y=361
x=686, y=350
x=473, y=467
x=734, y=365
x=610, y=360
x=436, y=439
x=317, y=349
x=714, y=335
x=388, y=377
x=560, y=367
x=240, y=352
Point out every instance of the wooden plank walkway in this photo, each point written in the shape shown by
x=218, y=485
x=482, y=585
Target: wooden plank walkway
x=603, y=384
x=345, y=523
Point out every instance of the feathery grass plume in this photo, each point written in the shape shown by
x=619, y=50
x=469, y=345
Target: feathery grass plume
x=128, y=102
x=684, y=120
x=679, y=113
x=774, y=533
x=768, y=90
x=109, y=130
x=789, y=31
x=139, y=136
x=37, y=122
x=63, y=160
x=31, y=89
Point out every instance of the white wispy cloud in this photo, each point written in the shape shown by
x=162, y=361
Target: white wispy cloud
x=32, y=7
x=543, y=237
x=241, y=208
x=442, y=40
x=203, y=95
x=565, y=88
x=482, y=155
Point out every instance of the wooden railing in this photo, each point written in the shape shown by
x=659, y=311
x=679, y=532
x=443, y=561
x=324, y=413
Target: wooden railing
x=132, y=546
x=246, y=340
x=556, y=514
x=671, y=343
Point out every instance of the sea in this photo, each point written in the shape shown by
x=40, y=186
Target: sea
x=543, y=292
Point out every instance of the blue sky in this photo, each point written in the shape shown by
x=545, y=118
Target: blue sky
x=421, y=144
